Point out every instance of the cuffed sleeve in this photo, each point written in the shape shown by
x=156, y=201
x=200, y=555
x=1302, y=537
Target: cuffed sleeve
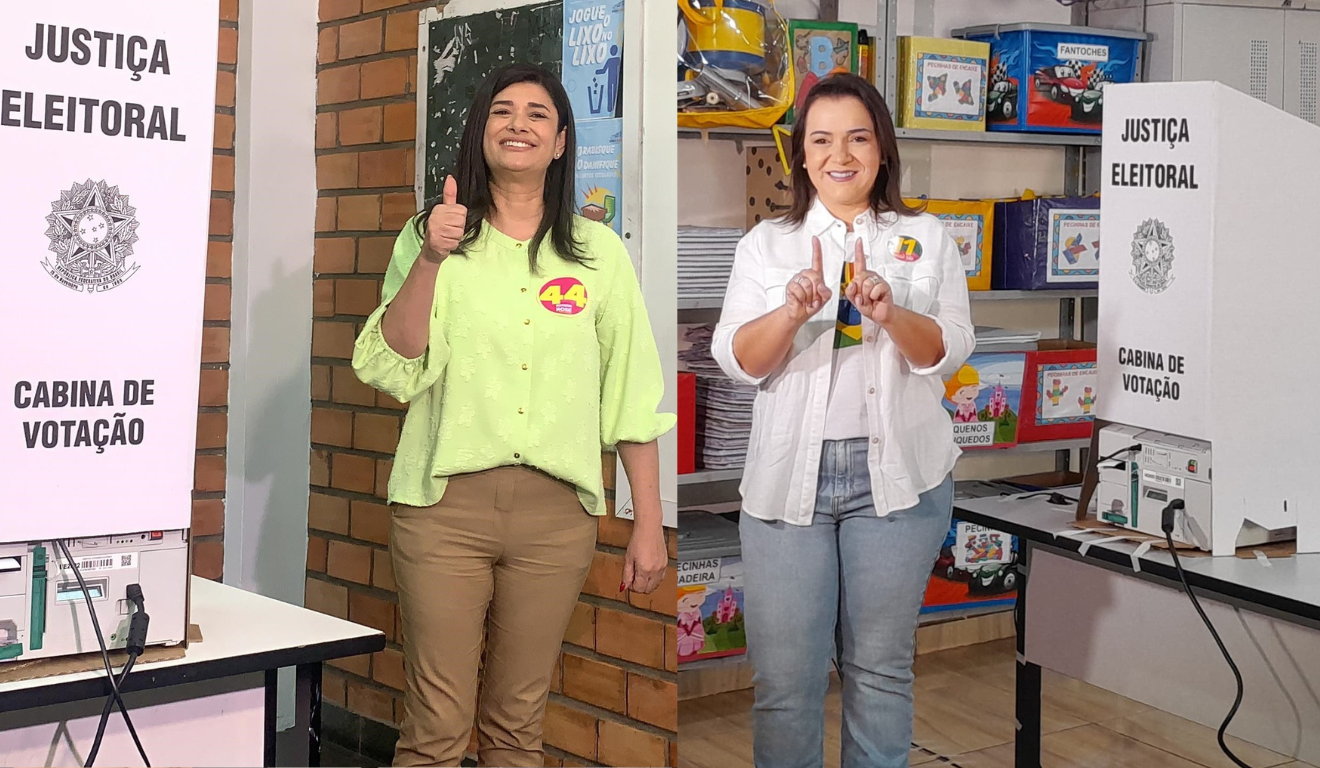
x=951, y=312
x=375, y=362
x=744, y=301
x=631, y=379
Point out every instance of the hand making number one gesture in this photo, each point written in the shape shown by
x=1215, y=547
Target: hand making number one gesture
x=868, y=291
x=807, y=292
x=445, y=225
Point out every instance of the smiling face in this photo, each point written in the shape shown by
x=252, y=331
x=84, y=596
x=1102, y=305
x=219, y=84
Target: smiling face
x=965, y=395
x=842, y=155
x=522, y=131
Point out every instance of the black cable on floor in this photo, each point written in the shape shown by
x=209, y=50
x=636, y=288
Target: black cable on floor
x=1166, y=523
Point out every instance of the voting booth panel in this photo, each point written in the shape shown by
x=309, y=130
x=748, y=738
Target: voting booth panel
x=1208, y=286
x=106, y=122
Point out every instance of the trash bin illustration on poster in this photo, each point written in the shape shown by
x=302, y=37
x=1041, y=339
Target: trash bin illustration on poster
x=599, y=172
x=593, y=57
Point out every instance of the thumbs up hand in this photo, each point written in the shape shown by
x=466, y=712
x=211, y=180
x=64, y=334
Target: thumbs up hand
x=868, y=291
x=806, y=293
x=445, y=225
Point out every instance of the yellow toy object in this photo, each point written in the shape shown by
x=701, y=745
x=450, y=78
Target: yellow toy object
x=736, y=54
x=941, y=83
x=965, y=377
x=729, y=34
x=971, y=225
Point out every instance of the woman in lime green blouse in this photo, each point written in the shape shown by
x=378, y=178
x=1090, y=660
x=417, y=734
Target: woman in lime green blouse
x=516, y=333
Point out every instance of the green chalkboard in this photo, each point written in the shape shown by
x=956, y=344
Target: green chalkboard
x=462, y=52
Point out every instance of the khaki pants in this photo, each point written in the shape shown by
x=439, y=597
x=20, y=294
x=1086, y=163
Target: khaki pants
x=504, y=554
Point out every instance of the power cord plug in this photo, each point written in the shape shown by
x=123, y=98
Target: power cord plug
x=135, y=645
x=1168, y=518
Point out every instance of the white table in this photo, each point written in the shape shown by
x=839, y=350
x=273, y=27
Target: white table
x=1288, y=589
x=214, y=706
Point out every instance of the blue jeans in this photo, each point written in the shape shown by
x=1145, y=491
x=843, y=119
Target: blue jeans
x=846, y=589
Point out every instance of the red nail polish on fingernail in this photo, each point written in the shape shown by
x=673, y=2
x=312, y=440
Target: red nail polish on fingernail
x=622, y=586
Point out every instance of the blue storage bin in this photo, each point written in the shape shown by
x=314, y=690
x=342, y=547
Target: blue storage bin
x=1048, y=243
x=1050, y=78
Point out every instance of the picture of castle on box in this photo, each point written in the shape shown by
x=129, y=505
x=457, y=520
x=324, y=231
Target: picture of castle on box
x=710, y=614
x=984, y=397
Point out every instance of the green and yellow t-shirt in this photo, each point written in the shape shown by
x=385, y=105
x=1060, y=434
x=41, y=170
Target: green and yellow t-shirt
x=542, y=370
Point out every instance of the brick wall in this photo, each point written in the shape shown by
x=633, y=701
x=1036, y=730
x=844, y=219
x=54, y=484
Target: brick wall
x=208, y=512
x=614, y=696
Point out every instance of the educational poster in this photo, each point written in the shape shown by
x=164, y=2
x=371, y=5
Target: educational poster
x=984, y=398
x=949, y=87
x=599, y=172
x=593, y=57
x=462, y=52
x=974, y=568
x=106, y=123
x=1074, y=245
x=710, y=609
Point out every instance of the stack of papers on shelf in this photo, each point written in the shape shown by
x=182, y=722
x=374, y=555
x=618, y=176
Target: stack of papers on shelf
x=990, y=339
x=705, y=258
x=724, y=406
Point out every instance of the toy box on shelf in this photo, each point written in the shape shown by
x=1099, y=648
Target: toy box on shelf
x=975, y=567
x=819, y=49
x=1046, y=243
x=941, y=83
x=1060, y=391
x=687, y=423
x=984, y=396
x=1052, y=77
x=710, y=588
x=971, y=225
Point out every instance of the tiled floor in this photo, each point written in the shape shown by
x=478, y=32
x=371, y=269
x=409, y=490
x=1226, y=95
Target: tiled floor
x=964, y=719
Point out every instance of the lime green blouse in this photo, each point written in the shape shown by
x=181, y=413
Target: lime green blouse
x=542, y=370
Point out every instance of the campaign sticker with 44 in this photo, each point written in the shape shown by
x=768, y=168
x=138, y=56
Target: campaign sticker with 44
x=564, y=296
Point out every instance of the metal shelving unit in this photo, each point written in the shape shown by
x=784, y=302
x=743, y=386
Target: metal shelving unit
x=765, y=135
x=1081, y=176
x=726, y=475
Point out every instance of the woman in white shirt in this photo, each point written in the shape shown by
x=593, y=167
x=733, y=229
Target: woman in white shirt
x=847, y=313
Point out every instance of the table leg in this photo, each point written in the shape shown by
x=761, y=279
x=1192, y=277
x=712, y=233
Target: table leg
x=272, y=707
x=1027, y=744
x=308, y=718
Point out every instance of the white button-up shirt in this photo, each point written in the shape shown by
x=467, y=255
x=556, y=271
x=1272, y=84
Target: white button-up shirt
x=910, y=432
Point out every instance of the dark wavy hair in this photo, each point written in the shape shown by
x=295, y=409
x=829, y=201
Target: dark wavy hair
x=885, y=194
x=473, y=174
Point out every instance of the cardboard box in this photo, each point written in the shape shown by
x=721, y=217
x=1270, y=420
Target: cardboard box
x=710, y=592
x=768, y=193
x=1060, y=392
x=1046, y=243
x=984, y=400
x=941, y=83
x=975, y=568
x=1052, y=77
x=971, y=225
x=687, y=423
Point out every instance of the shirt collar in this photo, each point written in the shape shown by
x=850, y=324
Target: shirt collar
x=819, y=219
